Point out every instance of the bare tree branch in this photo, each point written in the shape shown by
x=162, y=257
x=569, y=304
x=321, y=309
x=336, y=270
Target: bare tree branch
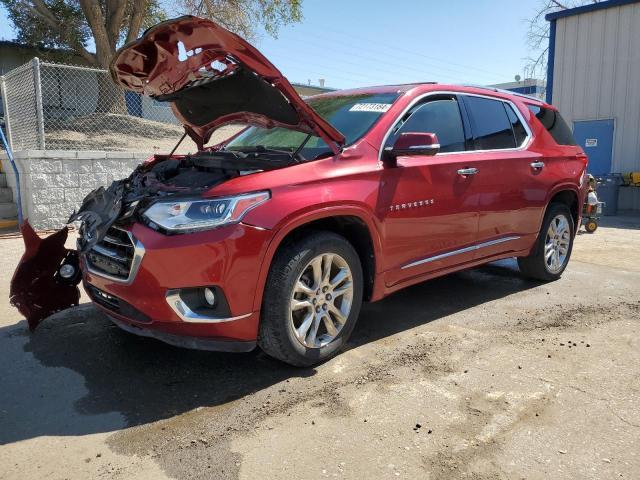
x=538, y=28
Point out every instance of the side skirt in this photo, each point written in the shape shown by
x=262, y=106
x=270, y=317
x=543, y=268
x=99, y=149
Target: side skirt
x=445, y=271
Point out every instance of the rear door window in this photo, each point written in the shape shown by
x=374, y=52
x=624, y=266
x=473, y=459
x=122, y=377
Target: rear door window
x=441, y=117
x=555, y=124
x=490, y=124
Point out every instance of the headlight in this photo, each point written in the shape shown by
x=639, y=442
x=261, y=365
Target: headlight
x=193, y=215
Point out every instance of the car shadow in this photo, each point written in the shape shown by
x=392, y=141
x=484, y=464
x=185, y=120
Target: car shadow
x=84, y=375
x=438, y=298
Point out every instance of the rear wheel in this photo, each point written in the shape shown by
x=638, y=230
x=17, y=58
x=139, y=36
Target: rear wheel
x=312, y=299
x=553, y=247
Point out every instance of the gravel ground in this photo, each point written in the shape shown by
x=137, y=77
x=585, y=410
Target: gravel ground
x=477, y=375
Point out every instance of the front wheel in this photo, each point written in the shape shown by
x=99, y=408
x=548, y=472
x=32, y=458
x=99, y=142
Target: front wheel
x=312, y=299
x=553, y=247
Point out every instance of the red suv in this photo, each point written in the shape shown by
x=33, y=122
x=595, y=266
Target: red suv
x=276, y=236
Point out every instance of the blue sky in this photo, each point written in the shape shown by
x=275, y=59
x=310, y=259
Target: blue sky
x=363, y=42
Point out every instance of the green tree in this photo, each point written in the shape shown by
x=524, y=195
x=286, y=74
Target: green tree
x=72, y=24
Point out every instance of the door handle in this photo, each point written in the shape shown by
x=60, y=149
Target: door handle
x=537, y=165
x=467, y=171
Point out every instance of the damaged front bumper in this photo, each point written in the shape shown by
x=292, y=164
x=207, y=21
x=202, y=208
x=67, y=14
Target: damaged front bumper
x=161, y=296
x=138, y=275
x=47, y=276
x=155, y=296
x=195, y=343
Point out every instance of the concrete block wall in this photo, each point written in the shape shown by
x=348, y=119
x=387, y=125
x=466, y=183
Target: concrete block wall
x=54, y=182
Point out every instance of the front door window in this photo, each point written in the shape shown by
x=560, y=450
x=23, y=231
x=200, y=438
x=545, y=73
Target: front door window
x=441, y=117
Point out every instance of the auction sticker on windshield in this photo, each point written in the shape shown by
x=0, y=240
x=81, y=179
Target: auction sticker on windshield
x=370, y=107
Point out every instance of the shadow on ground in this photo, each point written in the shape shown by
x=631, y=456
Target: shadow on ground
x=111, y=379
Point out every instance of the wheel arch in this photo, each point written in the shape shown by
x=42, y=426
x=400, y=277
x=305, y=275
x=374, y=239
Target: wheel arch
x=570, y=197
x=352, y=223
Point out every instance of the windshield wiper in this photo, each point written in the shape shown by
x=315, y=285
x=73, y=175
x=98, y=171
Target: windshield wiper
x=269, y=152
x=233, y=160
x=262, y=149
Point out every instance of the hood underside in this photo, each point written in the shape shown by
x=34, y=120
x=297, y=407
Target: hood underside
x=213, y=77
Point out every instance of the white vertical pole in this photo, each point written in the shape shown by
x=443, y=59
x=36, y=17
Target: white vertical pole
x=39, y=112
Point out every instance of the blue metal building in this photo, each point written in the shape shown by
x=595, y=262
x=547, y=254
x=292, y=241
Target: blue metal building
x=593, y=77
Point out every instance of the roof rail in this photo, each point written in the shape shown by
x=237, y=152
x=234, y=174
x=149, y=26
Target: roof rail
x=502, y=90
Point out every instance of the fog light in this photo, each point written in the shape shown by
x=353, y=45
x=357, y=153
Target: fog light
x=210, y=297
x=67, y=271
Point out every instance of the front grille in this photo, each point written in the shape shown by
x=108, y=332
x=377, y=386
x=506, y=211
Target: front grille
x=113, y=256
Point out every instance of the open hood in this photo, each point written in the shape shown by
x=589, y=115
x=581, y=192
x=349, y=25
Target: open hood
x=211, y=77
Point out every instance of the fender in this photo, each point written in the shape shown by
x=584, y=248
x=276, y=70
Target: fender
x=562, y=187
x=557, y=189
x=298, y=219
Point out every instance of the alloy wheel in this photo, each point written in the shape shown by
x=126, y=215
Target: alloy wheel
x=557, y=243
x=321, y=300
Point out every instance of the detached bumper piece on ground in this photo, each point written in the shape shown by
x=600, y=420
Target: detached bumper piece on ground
x=47, y=276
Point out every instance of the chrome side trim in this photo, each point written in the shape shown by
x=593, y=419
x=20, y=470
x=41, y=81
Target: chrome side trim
x=433, y=146
x=419, y=98
x=138, y=253
x=458, y=252
x=187, y=315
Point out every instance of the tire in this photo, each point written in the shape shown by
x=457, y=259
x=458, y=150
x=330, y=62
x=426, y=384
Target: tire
x=296, y=298
x=538, y=267
x=591, y=226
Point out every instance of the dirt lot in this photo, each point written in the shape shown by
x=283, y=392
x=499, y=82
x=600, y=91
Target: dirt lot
x=478, y=375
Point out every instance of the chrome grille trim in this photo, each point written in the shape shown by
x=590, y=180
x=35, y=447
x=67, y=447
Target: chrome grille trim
x=113, y=240
x=107, y=252
x=138, y=254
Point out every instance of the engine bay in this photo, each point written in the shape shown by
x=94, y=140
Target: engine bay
x=165, y=176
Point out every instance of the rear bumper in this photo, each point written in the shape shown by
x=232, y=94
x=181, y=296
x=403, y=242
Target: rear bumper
x=195, y=343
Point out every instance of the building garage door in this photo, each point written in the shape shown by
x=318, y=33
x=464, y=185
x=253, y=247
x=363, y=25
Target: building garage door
x=596, y=139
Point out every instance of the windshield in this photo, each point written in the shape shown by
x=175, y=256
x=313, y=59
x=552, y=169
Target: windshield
x=352, y=115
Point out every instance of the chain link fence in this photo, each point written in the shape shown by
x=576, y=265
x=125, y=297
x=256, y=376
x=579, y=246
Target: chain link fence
x=64, y=107
x=18, y=95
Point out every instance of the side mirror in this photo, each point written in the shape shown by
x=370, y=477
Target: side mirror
x=412, y=143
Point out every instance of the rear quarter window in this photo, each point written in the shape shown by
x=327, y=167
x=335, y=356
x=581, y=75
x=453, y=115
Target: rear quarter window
x=518, y=128
x=555, y=124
